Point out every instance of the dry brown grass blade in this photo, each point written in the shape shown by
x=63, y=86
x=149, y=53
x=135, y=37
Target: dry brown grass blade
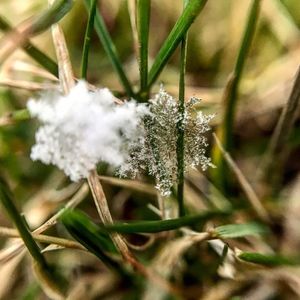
x=65, y=71
x=244, y=183
x=66, y=77
x=16, y=65
x=18, y=37
x=13, y=233
x=8, y=274
x=104, y=213
x=27, y=85
x=130, y=184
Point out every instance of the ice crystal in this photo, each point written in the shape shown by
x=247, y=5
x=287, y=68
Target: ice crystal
x=155, y=151
x=83, y=128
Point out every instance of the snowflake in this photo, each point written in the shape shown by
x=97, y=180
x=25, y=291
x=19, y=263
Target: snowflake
x=155, y=151
x=83, y=128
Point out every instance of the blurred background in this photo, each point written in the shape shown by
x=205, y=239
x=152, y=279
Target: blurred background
x=213, y=43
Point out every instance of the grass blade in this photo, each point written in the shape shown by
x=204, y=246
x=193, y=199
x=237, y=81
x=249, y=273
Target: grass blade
x=184, y=22
x=231, y=93
x=92, y=237
x=47, y=275
x=87, y=39
x=143, y=20
x=110, y=50
x=252, y=198
x=33, y=26
x=72, y=218
x=270, y=260
x=239, y=230
x=164, y=225
x=180, y=126
x=35, y=53
x=55, y=13
x=7, y=201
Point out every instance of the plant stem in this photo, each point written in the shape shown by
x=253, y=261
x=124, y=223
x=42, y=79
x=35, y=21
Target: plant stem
x=143, y=21
x=180, y=126
x=110, y=50
x=33, y=248
x=87, y=39
x=231, y=93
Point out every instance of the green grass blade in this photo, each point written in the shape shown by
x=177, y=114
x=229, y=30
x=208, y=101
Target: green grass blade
x=180, y=147
x=102, y=240
x=231, y=95
x=164, y=225
x=143, y=20
x=51, y=16
x=270, y=260
x=110, y=50
x=184, y=22
x=93, y=237
x=7, y=200
x=48, y=63
x=87, y=39
x=48, y=277
x=239, y=230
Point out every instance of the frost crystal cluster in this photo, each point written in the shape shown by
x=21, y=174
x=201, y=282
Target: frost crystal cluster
x=83, y=128
x=156, y=151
